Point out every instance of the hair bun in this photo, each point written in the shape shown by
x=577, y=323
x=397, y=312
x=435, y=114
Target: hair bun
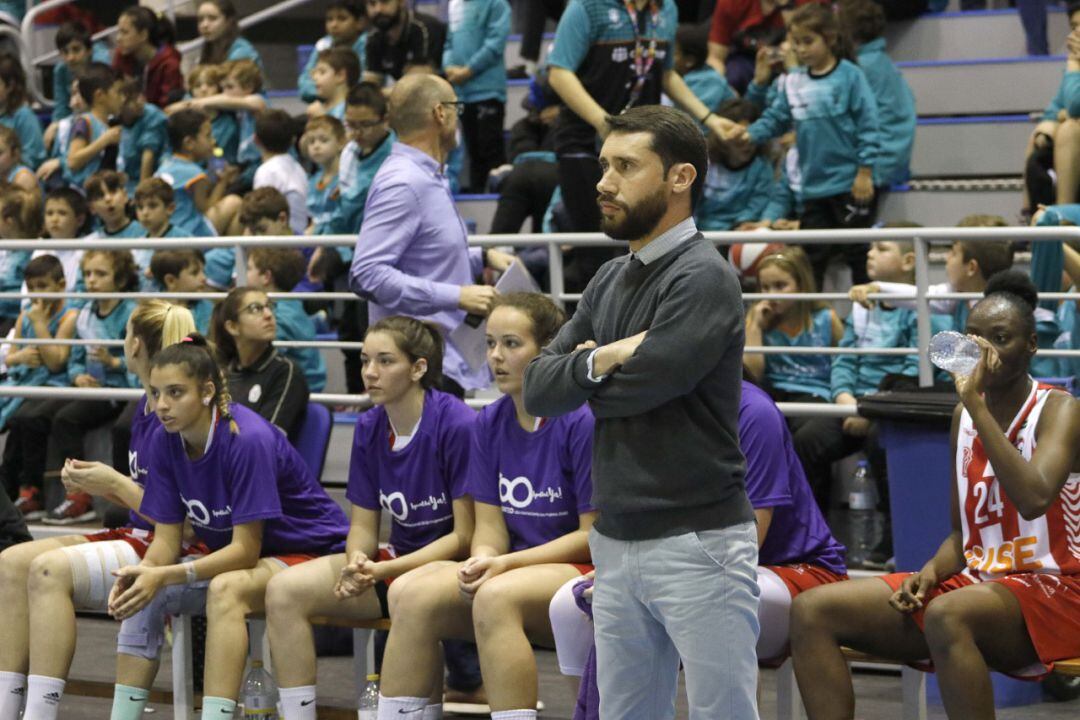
x=1013, y=282
x=196, y=339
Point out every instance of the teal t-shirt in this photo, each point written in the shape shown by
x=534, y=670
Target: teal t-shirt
x=802, y=374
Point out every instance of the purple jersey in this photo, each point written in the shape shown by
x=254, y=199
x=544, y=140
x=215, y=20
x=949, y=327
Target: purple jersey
x=418, y=483
x=142, y=427
x=241, y=478
x=542, y=480
x=775, y=479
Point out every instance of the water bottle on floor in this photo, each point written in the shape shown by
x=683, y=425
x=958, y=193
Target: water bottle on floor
x=954, y=352
x=369, y=699
x=259, y=694
x=862, y=514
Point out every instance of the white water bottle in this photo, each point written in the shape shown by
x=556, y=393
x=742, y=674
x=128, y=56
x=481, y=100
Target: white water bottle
x=259, y=694
x=369, y=700
x=954, y=352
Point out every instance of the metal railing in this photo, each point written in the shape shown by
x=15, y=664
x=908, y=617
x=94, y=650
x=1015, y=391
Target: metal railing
x=921, y=238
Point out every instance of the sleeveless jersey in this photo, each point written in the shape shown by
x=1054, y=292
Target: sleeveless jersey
x=998, y=541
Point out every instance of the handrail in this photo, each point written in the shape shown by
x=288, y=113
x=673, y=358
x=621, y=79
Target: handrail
x=246, y=22
x=27, y=30
x=24, y=57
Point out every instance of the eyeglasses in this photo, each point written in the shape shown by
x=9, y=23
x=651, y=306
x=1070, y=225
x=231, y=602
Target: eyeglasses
x=358, y=125
x=459, y=105
x=258, y=308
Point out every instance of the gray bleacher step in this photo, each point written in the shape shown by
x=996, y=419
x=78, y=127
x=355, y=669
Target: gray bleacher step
x=970, y=146
x=956, y=36
x=972, y=87
x=936, y=205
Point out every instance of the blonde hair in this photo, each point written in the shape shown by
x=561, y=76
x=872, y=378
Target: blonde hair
x=793, y=260
x=160, y=323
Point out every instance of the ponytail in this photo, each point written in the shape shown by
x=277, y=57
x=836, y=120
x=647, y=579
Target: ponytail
x=159, y=30
x=195, y=355
x=159, y=324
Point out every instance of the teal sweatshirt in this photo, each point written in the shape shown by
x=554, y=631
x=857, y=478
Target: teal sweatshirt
x=293, y=323
x=91, y=326
x=62, y=77
x=785, y=196
x=476, y=39
x=734, y=196
x=877, y=327
x=896, y=113
x=836, y=122
x=355, y=173
x=305, y=85
x=1064, y=97
x=801, y=373
x=149, y=132
x=710, y=87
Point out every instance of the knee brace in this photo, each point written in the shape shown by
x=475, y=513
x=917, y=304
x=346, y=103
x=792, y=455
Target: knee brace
x=573, y=630
x=92, y=565
x=142, y=634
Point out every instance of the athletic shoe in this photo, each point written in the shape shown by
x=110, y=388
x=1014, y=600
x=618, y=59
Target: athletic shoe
x=76, y=508
x=29, y=503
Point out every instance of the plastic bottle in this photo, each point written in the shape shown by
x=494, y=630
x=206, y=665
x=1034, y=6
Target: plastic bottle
x=862, y=515
x=217, y=163
x=259, y=694
x=369, y=699
x=94, y=367
x=954, y=352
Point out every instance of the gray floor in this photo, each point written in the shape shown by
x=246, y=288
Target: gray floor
x=878, y=694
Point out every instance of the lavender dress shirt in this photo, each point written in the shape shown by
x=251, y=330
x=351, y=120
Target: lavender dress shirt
x=412, y=256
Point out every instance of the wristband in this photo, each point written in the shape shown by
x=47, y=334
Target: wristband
x=189, y=573
x=707, y=116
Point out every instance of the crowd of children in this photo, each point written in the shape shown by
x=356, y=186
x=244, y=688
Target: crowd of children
x=135, y=150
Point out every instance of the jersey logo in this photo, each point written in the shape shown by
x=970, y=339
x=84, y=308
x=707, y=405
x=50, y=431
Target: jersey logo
x=519, y=493
x=396, y=505
x=614, y=17
x=1070, y=501
x=620, y=55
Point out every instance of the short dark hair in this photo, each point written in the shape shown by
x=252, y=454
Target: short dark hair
x=275, y=130
x=173, y=262
x=367, y=95
x=13, y=75
x=342, y=58
x=738, y=110
x=44, y=266
x=155, y=188
x=95, y=76
x=676, y=138
x=356, y=8
x=693, y=39
x=125, y=271
x=285, y=265
x=992, y=256
x=184, y=124
x=1017, y=289
x=862, y=20
x=23, y=209
x=74, y=199
x=103, y=181
x=263, y=202
x=72, y=31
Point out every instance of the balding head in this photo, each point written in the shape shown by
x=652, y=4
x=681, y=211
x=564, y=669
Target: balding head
x=412, y=100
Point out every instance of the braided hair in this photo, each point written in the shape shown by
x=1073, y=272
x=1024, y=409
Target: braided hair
x=195, y=355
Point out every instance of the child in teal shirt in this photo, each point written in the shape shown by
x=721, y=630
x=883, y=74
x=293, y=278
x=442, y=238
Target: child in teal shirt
x=346, y=25
x=15, y=111
x=738, y=179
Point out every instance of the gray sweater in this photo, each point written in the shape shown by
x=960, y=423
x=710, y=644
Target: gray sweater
x=666, y=457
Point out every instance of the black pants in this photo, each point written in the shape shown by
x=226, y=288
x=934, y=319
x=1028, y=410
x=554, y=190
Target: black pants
x=53, y=430
x=578, y=176
x=820, y=441
x=1038, y=180
x=838, y=212
x=482, y=126
x=534, y=17
x=12, y=526
x=525, y=194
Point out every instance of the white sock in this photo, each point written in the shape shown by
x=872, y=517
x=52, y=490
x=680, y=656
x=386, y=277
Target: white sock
x=12, y=694
x=298, y=703
x=432, y=712
x=43, y=697
x=401, y=708
x=514, y=715
x=530, y=68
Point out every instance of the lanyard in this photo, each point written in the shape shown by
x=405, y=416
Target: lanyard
x=643, y=59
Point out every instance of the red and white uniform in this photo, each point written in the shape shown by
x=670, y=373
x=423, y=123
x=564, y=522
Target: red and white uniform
x=1037, y=560
x=998, y=541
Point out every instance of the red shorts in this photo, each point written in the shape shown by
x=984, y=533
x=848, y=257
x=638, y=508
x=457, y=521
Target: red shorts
x=138, y=539
x=804, y=576
x=1050, y=605
x=293, y=558
x=583, y=568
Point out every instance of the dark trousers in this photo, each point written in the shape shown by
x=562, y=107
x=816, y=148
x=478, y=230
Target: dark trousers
x=482, y=126
x=525, y=194
x=12, y=526
x=51, y=431
x=821, y=441
x=534, y=16
x=838, y=212
x=578, y=176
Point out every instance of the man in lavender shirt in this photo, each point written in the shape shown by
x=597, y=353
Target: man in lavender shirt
x=412, y=256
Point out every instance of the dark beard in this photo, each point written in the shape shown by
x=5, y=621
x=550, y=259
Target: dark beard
x=383, y=22
x=639, y=220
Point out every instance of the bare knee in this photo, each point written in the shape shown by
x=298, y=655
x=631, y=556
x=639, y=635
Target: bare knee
x=944, y=623
x=227, y=594
x=286, y=598
x=812, y=612
x=494, y=606
x=49, y=572
x=15, y=566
